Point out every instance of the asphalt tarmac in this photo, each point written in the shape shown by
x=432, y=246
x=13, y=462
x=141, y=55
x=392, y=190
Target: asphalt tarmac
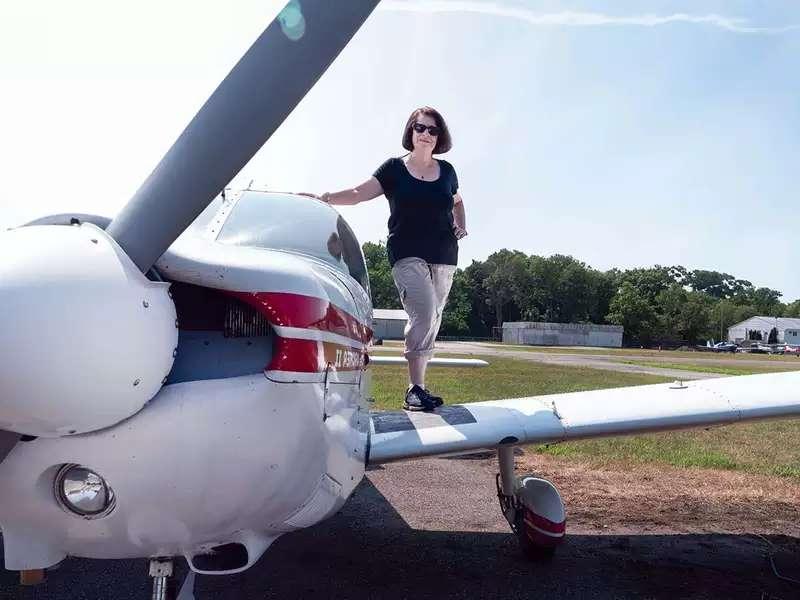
x=609, y=362
x=432, y=529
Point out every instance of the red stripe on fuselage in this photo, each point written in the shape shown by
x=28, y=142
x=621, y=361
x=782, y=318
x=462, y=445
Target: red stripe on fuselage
x=303, y=356
x=307, y=312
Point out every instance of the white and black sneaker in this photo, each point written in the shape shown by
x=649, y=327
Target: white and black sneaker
x=436, y=400
x=418, y=399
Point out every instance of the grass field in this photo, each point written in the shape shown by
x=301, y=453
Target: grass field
x=769, y=447
x=503, y=378
x=732, y=369
x=654, y=353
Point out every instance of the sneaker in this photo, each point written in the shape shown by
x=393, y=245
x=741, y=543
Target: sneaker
x=418, y=399
x=437, y=400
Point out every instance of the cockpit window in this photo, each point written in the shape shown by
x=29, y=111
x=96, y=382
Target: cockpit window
x=295, y=224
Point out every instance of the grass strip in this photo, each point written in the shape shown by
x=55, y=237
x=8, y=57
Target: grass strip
x=716, y=368
x=726, y=356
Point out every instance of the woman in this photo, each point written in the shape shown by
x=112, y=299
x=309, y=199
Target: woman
x=426, y=220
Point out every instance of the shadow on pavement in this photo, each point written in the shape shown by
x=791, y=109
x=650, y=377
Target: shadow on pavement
x=368, y=551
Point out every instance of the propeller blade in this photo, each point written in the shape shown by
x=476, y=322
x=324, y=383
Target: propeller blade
x=187, y=589
x=8, y=439
x=242, y=113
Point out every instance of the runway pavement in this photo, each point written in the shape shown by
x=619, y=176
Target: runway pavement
x=432, y=529
x=608, y=362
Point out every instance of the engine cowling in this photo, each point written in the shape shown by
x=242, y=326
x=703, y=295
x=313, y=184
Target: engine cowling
x=87, y=340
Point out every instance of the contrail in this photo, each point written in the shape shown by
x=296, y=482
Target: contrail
x=575, y=19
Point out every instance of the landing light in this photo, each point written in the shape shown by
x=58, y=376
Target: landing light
x=83, y=492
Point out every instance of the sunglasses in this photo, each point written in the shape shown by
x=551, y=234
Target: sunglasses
x=432, y=129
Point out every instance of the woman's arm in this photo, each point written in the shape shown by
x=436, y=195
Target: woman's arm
x=459, y=218
x=368, y=190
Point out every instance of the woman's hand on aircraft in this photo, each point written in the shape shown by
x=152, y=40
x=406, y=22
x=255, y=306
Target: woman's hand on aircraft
x=322, y=197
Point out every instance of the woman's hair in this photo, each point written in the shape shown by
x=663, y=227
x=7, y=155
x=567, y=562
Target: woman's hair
x=443, y=142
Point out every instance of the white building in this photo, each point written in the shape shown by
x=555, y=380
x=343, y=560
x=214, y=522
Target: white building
x=563, y=334
x=788, y=329
x=389, y=323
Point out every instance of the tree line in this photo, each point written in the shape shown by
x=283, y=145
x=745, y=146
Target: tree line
x=655, y=305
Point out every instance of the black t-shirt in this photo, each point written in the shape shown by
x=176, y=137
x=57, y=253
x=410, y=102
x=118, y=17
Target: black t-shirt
x=421, y=219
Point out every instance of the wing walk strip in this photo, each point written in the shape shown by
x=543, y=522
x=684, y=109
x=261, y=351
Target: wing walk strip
x=456, y=429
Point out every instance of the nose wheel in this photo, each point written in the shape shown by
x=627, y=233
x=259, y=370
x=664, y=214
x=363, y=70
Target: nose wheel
x=532, y=506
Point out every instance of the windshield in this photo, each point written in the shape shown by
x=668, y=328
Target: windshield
x=295, y=224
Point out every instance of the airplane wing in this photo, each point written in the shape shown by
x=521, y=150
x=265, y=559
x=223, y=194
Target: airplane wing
x=462, y=428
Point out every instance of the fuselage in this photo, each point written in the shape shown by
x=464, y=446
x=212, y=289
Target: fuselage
x=261, y=426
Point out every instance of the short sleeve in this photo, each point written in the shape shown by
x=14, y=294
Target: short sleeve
x=385, y=174
x=453, y=180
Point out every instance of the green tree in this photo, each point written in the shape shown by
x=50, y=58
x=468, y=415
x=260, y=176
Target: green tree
x=481, y=316
x=504, y=271
x=670, y=303
x=631, y=309
x=384, y=293
x=767, y=301
x=695, y=317
x=651, y=281
x=455, y=320
x=792, y=309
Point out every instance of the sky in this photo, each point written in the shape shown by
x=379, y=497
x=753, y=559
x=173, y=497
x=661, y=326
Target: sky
x=624, y=133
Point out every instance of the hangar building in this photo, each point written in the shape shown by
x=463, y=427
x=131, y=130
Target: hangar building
x=389, y=323
x=563, y=334
x=788, y=329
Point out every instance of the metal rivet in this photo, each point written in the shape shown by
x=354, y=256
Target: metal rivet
x=135, y=383
x=145, y=303
x=175, y=353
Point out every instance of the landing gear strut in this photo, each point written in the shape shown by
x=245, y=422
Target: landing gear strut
x=164, y=586
x=161, y=571
x=532, y=506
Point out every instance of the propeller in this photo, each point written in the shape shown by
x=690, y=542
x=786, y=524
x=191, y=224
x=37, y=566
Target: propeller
x=244, y=111
x=87, y=338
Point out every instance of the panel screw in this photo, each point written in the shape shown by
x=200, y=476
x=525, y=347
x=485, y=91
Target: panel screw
x=135, y=383
x=145, y=304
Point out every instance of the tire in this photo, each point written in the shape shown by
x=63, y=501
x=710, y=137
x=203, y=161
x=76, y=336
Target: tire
x=532, y=551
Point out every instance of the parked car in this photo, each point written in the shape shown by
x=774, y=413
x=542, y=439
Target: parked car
x=792, y=350
x=765, y=349
x=724, y=347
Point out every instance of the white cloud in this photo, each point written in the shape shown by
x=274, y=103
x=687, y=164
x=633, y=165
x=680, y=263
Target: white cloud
x=576, y=19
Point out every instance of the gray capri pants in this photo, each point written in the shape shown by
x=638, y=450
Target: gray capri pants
x=423, y=289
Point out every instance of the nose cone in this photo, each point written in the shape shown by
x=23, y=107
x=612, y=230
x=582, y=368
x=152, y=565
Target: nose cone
x=86, y=339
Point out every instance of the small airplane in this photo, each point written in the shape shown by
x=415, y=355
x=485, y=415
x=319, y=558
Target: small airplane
x=198, y=393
